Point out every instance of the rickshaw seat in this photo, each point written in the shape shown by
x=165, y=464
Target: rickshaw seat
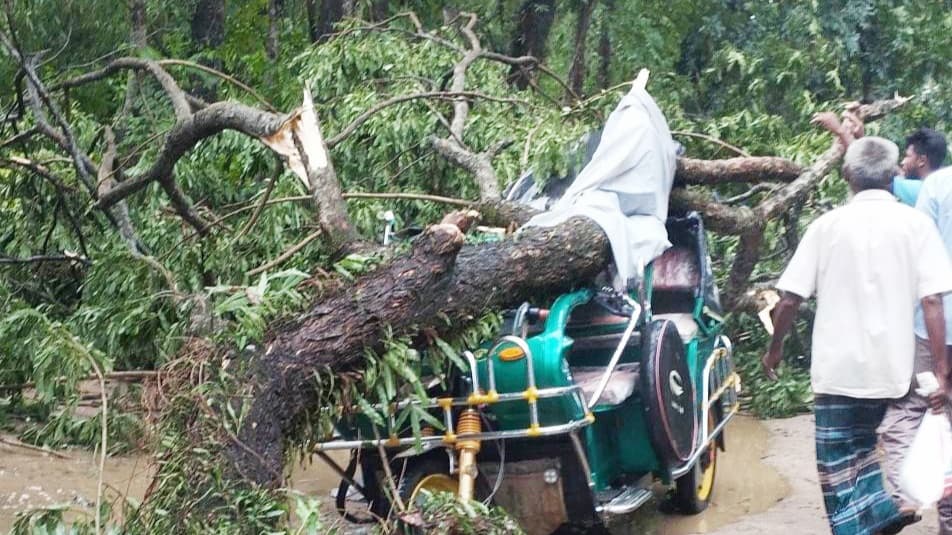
x=676, y=270
x=621, y=385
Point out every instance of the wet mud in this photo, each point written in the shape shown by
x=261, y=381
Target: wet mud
x=765, y=484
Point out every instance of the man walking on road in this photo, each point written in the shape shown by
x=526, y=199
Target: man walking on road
x=868, y=262
x=905, y=414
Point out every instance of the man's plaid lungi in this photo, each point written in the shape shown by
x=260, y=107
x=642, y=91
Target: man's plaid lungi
x=848, y=464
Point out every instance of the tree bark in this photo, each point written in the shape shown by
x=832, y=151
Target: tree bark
x=582, y=24
x=533, y=24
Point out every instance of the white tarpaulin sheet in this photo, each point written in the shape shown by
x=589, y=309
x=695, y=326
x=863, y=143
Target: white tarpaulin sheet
x=625, y=187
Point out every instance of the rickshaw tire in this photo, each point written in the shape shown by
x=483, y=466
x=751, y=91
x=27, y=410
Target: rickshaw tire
x=694, y=490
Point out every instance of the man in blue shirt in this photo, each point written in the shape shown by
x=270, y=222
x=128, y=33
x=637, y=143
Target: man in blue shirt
x=925, y=151
x=903, y=416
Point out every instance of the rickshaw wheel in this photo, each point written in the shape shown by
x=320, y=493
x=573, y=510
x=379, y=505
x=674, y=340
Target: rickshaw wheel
x=693, y=491
x=434, y=483
x=429, y=472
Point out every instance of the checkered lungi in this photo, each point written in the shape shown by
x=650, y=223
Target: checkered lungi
x=848, y=463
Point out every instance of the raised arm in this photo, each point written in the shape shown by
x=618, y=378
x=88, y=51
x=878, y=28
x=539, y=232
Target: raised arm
x=847, y=131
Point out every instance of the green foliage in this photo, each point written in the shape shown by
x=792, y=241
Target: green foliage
x=251, y=307
x=400, y=371
x=444, y=514
x=790, y=394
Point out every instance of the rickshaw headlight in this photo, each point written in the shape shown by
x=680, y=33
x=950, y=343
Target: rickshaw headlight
x=511, y=353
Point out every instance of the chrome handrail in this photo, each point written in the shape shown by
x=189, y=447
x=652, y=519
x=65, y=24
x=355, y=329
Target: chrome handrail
x=635, y=316
x=722, y=349
x=544, y=431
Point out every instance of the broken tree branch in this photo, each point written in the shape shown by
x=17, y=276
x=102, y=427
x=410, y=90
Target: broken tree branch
x=185, y=134
x=39, y=259
x=794, y=193
x=748, y=169
x=38, y=98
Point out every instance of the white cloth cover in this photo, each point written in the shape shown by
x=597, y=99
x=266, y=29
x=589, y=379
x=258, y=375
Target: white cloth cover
x=624, y=189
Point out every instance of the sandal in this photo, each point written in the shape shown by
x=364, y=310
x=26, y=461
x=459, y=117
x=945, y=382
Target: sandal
x=906, y=518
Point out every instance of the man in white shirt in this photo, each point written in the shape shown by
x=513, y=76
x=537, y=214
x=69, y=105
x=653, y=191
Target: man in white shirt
x=869, y=262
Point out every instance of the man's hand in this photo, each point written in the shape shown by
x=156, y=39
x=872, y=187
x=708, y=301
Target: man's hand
x=784, y=314
x=853, y=125
x=770, y=361
x=939, y=400
x=827, y=120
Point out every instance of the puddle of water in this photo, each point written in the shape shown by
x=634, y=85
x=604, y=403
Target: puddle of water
x=744, y=484
x=30, y=480
x=315, y=478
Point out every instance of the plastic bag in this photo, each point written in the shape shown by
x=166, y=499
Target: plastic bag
x=926, y=473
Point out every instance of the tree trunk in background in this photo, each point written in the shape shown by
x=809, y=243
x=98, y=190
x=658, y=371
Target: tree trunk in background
x=137, y=20
x=208, y=31
x=331, y=11
x=311, y=7
x=605, y=46
x=272, y=46
x=208, y=23
x=379, y=10
x=138, y=37
x=868, y=58
x=578, y=68
x=532, y=30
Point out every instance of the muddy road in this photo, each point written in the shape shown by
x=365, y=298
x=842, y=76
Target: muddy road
x=766, y=484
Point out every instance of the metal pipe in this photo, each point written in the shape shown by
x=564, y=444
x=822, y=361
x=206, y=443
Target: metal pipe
x=635, y=315
x=545, y=431
x=683, y=469
x=474, y=373
x=491, y=372
x=582, y=458
x=433, y=403
x=519, y=325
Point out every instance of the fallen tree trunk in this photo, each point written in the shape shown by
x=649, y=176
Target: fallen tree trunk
x=438, y=278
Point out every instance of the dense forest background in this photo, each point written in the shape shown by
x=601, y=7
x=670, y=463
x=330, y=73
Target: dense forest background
x=118, y=292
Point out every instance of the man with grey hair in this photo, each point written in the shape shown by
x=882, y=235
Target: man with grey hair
x=868, y=262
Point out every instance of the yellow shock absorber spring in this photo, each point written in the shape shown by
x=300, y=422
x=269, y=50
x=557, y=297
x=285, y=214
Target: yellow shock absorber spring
x=469, y=422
